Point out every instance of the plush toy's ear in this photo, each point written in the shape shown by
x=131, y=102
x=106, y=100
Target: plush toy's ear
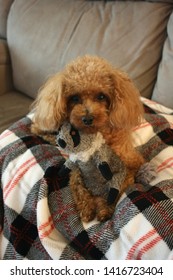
x=75, y=136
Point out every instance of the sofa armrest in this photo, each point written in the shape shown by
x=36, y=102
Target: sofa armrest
x=5, y=68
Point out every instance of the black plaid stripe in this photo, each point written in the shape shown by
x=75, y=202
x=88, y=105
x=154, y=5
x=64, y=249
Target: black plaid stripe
x=54, y=181
x=166, y=136
x=158, y=122
x=148, y=110
x=157, y=207
x=163, y=134
x=143, y=200
x=161, y=127
x=23, y=234
x=152, y=148
x=21, y=231
x=22, y=127
x=40, y=148
x=32, y=141
x=85, y=247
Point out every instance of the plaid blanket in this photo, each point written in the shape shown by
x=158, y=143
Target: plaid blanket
x=38, y=219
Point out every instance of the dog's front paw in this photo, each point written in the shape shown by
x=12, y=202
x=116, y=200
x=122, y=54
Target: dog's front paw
x=88, y=211
x=104, y=211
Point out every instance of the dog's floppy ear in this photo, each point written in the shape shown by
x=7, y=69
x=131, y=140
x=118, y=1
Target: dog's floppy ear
x=126, y=109
x=49, y=106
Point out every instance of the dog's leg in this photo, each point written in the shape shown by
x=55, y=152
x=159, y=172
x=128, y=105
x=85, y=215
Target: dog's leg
x=132, y=159
x=85, y=202
x=104, y=211
x=121, y=143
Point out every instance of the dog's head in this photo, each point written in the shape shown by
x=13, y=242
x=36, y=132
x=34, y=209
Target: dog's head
x=91, y=94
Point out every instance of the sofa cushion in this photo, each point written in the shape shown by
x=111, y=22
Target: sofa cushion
x=13, y=106
x=4, y=54
x=44, y=35
x=4, y=10
x=5, y=68
x=163, y=91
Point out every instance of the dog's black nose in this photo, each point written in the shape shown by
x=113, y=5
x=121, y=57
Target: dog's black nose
x=87, y=120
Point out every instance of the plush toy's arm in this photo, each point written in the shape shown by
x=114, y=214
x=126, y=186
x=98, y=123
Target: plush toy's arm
x=69, y=164
x=114, y=179
x=67, y=167
x=112, y=196
x=115, y=183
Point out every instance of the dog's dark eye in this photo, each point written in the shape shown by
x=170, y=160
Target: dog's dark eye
x=75, y=99
x=101, y=96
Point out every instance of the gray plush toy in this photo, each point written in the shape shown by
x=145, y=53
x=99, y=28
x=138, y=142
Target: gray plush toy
x=102, y=170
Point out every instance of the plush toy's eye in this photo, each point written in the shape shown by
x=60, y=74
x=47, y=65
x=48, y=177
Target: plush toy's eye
x=62, y=143
x=75, y=99
x=101, y=96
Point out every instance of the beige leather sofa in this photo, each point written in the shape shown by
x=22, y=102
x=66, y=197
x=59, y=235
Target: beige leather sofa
x=37, y=38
